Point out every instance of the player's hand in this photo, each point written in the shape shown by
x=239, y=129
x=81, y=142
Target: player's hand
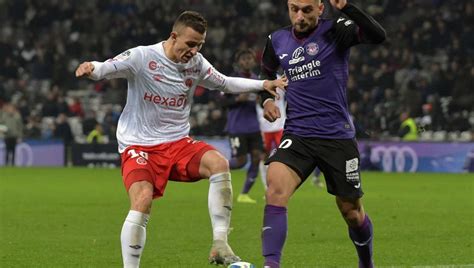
x=271, y=112
x=272, y=85
x=339, y=4
x=84, y=69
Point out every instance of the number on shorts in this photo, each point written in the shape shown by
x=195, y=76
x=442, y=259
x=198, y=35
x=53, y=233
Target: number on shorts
x=285, y=144
x=235, y=142
x=140, y=153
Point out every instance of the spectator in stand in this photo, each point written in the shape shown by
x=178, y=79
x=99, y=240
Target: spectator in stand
x=11, y=128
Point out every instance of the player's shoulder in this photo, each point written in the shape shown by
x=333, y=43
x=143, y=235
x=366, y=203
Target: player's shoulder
x=145, y=49
x=284, y=31
x=340, y=22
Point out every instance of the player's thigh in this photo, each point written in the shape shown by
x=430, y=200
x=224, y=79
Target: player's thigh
x=296, y=153
x=196, y=160
x=255, y=141
x=282, y=179
x=339, y=160
x=145, y=164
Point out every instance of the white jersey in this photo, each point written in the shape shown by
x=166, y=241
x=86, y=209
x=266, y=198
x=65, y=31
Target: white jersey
x=160, y=92
x=277, y=125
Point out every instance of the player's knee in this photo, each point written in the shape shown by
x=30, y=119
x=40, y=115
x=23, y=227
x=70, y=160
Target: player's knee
x=218, y=164
x=277, y=196
x=353, y=217
x=141, y=196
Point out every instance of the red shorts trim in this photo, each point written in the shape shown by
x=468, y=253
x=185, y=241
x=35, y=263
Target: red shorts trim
x=272, y=140
x=176, y=161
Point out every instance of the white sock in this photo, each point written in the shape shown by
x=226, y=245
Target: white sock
x=263, y=173
x=220, y=204
x=133, y=238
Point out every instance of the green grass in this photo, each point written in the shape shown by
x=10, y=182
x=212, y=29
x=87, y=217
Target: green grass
x=72, y=218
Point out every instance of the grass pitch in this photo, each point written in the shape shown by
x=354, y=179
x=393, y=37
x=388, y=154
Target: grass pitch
x=72, y=217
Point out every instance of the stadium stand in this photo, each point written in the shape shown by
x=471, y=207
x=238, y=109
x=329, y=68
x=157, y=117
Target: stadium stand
x=425, y=67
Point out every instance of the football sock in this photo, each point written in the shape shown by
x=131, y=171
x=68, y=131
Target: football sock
x=263, y=173
x=220, y=204
x=133, y=238
x=362, y=238
x=274, y=231
x=252, y=174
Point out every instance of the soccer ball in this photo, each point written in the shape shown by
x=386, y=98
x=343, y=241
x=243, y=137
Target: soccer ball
x=241, y=264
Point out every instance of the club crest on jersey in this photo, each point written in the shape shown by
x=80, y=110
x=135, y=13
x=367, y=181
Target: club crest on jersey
x=312, y=49
x=189, y=82
x=297, y=56
x=152, y=65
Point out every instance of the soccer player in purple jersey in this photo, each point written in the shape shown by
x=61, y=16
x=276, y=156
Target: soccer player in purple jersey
x=243, y=126
x=314, y=55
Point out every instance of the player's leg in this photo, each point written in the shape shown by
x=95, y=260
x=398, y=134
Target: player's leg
x=360, y=228
x=271, y=140
x=214, y=166
x=316, y=180
x=138, y=180
x=254, y=144
x=282, y=181
x=340, y=163
x=133, y=235
x=239, y=157
x=291, y=162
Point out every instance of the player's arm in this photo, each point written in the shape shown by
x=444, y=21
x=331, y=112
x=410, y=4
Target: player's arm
x=121, y=66
x=359, y=28
x=268, y=68
x=213, y=79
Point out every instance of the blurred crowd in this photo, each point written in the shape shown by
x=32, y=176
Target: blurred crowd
x=424, y=69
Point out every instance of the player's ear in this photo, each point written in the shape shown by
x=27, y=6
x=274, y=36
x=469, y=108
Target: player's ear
x=321, y=8
x=174, y=35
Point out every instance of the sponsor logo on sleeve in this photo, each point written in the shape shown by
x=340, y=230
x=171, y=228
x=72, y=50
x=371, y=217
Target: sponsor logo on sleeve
x=123, y=56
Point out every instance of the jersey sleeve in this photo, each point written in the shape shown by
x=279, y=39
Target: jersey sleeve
x=270, y=62
x=124, y=65
x=356, y=27
x=268, y=67
x=344, y=33
x=214, y=80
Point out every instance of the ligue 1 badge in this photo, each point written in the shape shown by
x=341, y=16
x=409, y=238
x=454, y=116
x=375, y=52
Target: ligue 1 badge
x=312, y=49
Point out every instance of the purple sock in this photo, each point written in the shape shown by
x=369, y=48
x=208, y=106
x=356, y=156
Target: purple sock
x=251, y=177
x=275, y=228
x=362, y=238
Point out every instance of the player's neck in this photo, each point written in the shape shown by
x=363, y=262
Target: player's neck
x=303, y=35
x=167, y=47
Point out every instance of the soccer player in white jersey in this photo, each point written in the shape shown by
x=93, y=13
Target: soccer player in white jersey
x=153, y=129
x=271, y=132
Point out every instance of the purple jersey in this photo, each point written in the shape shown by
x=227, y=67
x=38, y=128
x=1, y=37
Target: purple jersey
x=317, y=73
x=242, y=115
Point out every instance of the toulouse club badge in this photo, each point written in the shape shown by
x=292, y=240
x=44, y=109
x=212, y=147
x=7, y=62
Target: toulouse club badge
x=312, y=49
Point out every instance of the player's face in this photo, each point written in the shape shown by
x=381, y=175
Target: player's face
x=246, y=62
x=304, y=14
x=187, y=43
